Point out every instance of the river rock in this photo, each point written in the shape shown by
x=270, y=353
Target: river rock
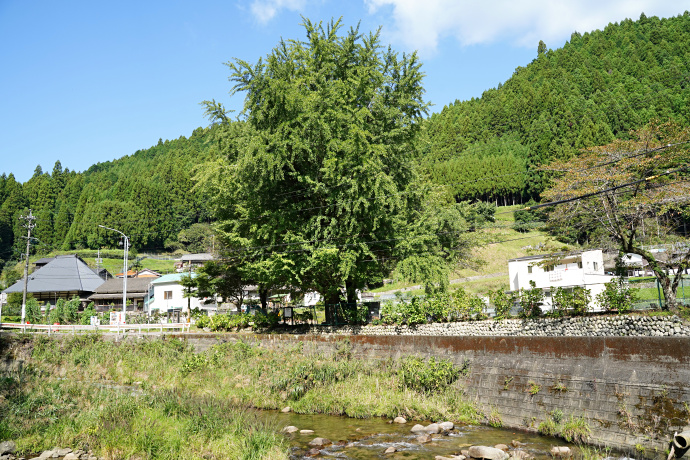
x=62, y=452
x=434, y=428
x=290, y=429
x=306, y=431
x=313, y=452
x=71, y=456
x=46, y=454
x=503, y=447
x=447, y=426
x=7, y=447
x=489, y=453
x=423, y=439
x=399, y=420
x=320, y=442
x=561, y=451
x=519, y=454
x=418, y=429
x=515, y=443
x=286, y=409
x=390, y=450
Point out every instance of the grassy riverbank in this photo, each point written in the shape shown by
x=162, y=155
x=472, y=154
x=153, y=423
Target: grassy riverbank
x=159, y=399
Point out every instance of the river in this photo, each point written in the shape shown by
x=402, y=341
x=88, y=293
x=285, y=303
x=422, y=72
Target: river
x=369, y=438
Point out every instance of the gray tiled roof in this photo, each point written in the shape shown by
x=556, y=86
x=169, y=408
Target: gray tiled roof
x=134, y=285
x=62, y=274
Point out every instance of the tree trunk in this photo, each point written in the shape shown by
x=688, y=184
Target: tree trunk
x=263, y=298
x=351, y=290
x=331, y=302
x=670, y=303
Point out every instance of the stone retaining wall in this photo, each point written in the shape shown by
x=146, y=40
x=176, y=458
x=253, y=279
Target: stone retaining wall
x=636, y=326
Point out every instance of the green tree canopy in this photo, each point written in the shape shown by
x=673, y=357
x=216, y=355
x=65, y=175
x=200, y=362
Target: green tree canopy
x=318, y=186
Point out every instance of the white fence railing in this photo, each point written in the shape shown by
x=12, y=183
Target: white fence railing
x=74, y=328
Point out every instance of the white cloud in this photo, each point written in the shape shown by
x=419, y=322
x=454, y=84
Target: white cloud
x=421, y=24
x=265, y=10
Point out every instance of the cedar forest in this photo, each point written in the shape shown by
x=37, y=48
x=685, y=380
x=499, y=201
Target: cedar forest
x=492, y=149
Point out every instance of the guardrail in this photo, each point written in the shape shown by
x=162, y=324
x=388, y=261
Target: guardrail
x=74, y=328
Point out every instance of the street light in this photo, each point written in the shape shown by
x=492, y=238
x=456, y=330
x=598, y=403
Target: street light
x=124, y=272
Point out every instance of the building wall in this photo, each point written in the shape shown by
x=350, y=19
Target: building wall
x=565, y=275
x=177, y=301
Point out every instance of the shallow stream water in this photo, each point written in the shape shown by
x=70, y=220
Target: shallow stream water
x=369, y=438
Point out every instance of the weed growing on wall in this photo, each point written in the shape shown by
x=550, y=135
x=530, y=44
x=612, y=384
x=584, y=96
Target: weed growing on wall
x=574, y=429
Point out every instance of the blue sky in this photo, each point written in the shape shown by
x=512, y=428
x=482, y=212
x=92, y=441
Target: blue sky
x=85, y=82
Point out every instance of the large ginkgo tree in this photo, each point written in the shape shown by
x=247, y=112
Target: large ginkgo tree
x=316, y=187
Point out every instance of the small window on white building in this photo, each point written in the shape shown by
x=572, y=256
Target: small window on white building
x=579, y=264
x=596, y=266
x=529, y=269
x=167, y=295
x=548, y=268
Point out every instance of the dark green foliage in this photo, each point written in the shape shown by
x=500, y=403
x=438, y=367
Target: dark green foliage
x=33, y=311
x=618, y=296
x=457, y=305
x=427, y=376
x=318, y=187
x=150, y=196
x=85, y=316
x=528, y=220
x=531, y=301
x=502, y=303
x=598, y=87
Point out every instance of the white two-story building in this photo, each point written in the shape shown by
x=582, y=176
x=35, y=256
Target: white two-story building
x=551, y=271
x=167, y=293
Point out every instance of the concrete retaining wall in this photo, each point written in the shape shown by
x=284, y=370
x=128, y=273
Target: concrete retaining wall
x=633, y=391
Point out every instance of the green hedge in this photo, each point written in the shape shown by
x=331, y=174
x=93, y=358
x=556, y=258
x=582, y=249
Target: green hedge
x=11, y=319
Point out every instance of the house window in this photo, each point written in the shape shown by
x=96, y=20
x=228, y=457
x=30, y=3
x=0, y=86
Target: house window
x=596, y=266
x=167, y=295
x=548, y=268
x=579, y=264
x=529, y=269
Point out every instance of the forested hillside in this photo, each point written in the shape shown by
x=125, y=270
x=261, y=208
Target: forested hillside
x=149, y=196
x=596, y=88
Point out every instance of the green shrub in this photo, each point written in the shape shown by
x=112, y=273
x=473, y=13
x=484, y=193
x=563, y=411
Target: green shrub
x=33, y=311
x=530, y=301
x=202, y=322
x=502, y=303
x=262, y=321
x=10, y=319
x=618, y=296
x=85, y=316
x=426, y=376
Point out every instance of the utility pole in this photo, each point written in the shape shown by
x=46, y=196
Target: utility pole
x=189, y=299
x=124, y=270
x=28, y=225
